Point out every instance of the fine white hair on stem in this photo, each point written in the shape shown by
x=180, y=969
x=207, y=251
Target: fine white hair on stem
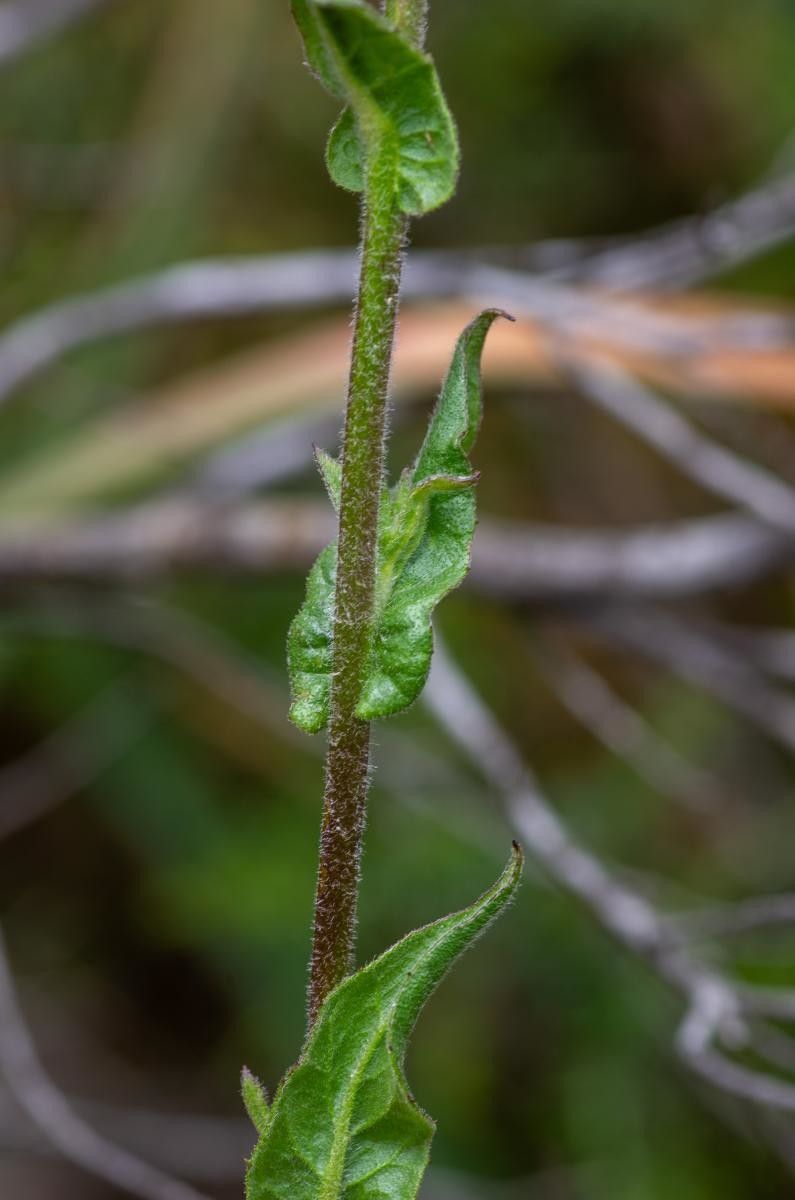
x=52, y=1114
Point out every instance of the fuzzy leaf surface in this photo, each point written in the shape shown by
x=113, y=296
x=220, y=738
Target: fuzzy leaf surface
x=343, y=1125
x=309, y=646
x=331, y=473
x=395, y=110
x=436, y=524
x=255, y=1100
x=426, y=524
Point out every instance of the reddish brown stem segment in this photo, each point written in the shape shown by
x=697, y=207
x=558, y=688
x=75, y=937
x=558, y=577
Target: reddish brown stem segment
x=348, y=756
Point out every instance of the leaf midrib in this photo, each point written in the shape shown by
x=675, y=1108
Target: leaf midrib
x=332, y=1186
x=372, y=117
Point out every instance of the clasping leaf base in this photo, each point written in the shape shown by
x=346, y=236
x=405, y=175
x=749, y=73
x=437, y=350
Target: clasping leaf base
x=343, y=1124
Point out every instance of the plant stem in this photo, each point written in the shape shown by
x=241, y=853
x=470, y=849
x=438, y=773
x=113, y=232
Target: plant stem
x=348, y=756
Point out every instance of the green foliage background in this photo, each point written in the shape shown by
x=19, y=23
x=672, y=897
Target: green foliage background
x=159, y=920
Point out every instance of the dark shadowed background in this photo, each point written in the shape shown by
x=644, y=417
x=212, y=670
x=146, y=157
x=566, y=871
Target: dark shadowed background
x=158, y=510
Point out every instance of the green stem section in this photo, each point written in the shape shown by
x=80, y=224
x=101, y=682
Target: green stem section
x=348, y=756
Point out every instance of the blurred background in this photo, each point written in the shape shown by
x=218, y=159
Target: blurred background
x=628, y=190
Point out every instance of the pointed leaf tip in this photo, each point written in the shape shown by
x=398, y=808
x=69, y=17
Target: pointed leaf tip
x=343, y=1124
x=445, y=518
x=330, y=470
x=255, y=1099
x=426, y=526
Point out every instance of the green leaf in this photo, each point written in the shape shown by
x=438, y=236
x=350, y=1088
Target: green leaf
x=344, y=157
x=426, y=524
x=255, y=1098
x=395, y=110
x=343, y=1124
x=331, y=473
x=309, y=645
x=437, y=523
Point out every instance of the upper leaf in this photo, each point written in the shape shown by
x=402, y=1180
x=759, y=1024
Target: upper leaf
x=426, y=524
x=395, y=107
x=343, y=1125
x=434, y=526
x=309, y=646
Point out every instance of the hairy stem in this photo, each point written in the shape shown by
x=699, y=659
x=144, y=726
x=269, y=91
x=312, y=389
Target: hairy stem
x=348, y=757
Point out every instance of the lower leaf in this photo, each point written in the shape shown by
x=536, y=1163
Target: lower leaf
x=343, y=1124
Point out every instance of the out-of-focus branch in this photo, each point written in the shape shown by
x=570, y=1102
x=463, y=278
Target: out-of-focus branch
x=719, y=470
x=704, y=662
x=182, y=642
x=173, y=535
x=680, y=558
x=53, y=1115
x=510, y=560
x=744, y=916
x=683, y=252
x=25, y=23
x=770, y=650
x=775, y=1046
x=720, y=1013
x=262, y=460
x=211, y=1148
x=716, y=1021
x=68, y=760
x=215, y=288
x=621, y=729
x=226, y=288
x=472, y=727
x=696, y=1045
